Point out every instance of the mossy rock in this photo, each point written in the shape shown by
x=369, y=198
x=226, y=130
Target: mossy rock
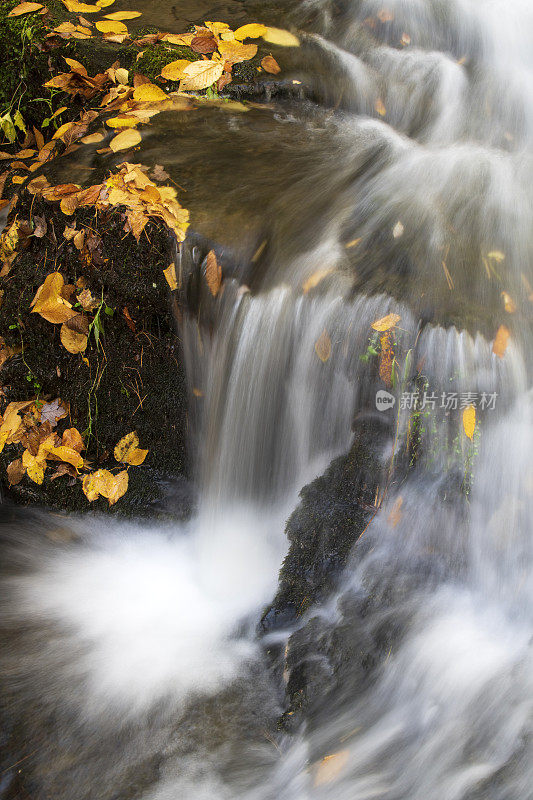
x=133, y=381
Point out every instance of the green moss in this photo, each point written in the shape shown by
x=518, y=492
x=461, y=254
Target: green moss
x=155, y=58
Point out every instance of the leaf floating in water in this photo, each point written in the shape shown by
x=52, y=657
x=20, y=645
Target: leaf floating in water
x=128, y=451
x=281, y=37
x=316, y=278
x=509, y=303
x=110, y=27
x=128, y=138
x=469, y=421
x=213, y=273
x=386, y=323
x=323, y=346
x=379, y=106
x=251, y=31
x=121, y=15
x=398, y=230
x=497, y=255
x=395, y=514
x=385, y=15
x=331, y=767
x=353, y=243
x=501, y=340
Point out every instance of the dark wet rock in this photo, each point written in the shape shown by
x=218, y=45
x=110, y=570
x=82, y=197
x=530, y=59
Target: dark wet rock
x=134, y=381
x=333, y=512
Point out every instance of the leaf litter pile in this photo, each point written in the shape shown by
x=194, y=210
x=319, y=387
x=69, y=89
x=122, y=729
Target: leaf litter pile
x=107, y=110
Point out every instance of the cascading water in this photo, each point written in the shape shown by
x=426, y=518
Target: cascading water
x=131, y=665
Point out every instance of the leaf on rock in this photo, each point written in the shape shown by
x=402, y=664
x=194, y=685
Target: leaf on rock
x=213, y=273
x=236, y=51
x=200, y=75
x=124, y=140
x=73, y=341
x=52, y=412
x=270, y=65
x=386, y=323
x=469, y=421
x=170, y=276
x=15, y=472
x=24, y=8
x=128, y=451
x=34, y=466
x=104, y=483
x=174, y=70
x=49, y=303
x=323, y=346
x=204, y=44
x=386, y=359
x=72, y=439
x=150, y=93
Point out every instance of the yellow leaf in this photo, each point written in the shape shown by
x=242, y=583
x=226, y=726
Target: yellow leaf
x=73, y=341
x=497, y=255
x=125, y=140
x=34, y=467
x=10, y=424
x=63, y=453
x=201, y=74
x=379, y=106
x=123, y=122
x=386, y=323
x=316, y=278
x=330, y=767
x=72, y=438
x=127, y=450
x=149, y=93
x=469, y=421
x=174, y=70
x=104, y=3
x=170, y=275
x=83, y=8
x=24, y=8
x=179, y=38
x=509, y=303
x=118, y=487
x=281, y=37
x=217, y=27
x=76, y=66
x=251, y=31
x=501, y=341
x=237, y=52
x=110, y=27
x=49, y=303
x=323, y=346
x=352, y=243
x=213, y=273
x=120, y=15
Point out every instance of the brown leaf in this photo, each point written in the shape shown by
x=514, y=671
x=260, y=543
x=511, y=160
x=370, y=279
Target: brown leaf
x=213, y=273
x=501, y=341
x=270, y=65
x=129, y=321
x=52, y=412
x=395, y=514
x=15, y=472
x=72, y=438
x=204, y=44
x=323, y=346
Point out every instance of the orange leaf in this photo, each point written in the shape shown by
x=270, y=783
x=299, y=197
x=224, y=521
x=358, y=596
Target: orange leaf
x=386, y=323
x=501, y=341
x=323, y=346
x=213, y=273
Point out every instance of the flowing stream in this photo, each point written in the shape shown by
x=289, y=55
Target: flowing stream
x=132, y=666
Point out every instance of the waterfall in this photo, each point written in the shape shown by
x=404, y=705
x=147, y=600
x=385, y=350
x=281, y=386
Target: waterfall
x=132, y=664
